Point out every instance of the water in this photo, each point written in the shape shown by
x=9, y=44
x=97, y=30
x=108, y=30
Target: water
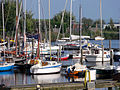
x=22, y=77
x=114, y=43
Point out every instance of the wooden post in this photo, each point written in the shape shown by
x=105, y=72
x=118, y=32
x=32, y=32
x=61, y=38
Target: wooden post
x=111, y=53
x=32, y=47
x=58, y=55
x=60, y=52
x=102, y=54
x=81, y=57
x=111, y=57
x=109, y=44
x=63, y=47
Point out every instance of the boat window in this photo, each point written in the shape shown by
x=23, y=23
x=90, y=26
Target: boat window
x=45, y=63
x=49, y=63
x=96, y=51
x=92, y=51
x=53, y=64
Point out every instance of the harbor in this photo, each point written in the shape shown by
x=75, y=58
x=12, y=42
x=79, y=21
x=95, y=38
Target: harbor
x=57, y=52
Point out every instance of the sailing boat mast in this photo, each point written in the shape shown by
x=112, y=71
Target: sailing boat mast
x=25, y=27
x=24, y=23
x=101, y=18
x=101, y=31
x=38, y=50
x=17, y=5
x=62, y=20
x=3, y=27
x=119, y=36
x=49, y=31
x=80, y=28
x=3, y=21
x=70, y=19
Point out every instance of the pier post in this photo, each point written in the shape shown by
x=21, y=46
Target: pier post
x=111, y=57
x=63, y=47
x=111, y=53
x=32, y=47
x=109, y=44
x=60, y=52
x=102, y=54
x=88, y=85
x=81, y=56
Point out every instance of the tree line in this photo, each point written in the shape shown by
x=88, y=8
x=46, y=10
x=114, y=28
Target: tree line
x=89, y=26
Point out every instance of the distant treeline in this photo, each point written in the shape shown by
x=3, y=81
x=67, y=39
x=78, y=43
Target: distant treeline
x=89, y=26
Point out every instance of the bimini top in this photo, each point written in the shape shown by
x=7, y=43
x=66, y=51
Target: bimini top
x=99, y=38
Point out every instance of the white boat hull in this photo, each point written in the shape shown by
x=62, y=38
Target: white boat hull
x=95, y=58
x=92, y=75
x=48, y=69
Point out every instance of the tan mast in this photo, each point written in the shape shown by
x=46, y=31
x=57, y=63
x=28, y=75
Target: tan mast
x=49, y=31
x=17, y=5
x=101, y=32
x=3, y=27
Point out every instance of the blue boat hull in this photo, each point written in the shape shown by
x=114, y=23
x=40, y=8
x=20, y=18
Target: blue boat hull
x=6, y=68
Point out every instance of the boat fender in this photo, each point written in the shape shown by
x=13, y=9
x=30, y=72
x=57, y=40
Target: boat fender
x=86, y=60
x=68, y=70
x=31, y=61
x=73, y=68
x=36, y=62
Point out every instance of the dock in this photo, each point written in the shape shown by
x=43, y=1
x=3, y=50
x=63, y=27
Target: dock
x=65, y=86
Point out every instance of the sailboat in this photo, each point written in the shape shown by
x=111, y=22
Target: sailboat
x=45, y=67
x=117, y=57
x=98, y=53
x=79, y=69
x=5, y=66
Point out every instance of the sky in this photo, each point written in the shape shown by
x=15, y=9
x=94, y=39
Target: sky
x=90, y=8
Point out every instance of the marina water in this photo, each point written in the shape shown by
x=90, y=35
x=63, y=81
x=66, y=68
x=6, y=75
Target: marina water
x=23, y=77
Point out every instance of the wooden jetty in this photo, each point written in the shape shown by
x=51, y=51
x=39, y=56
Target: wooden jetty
x=64, y=86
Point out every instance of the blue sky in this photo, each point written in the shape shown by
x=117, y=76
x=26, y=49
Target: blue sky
x=110, y=8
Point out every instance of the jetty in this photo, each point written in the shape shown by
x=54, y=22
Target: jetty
x=107, y=83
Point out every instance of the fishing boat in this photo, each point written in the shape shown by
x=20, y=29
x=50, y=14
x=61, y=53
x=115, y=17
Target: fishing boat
x=117, y=56
x=117, y=69
x=4, y=66
x=63, y=57
x=95, y=55
x=80, y=70
x=47, y=67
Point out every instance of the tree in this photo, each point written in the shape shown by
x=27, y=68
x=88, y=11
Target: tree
x=9, y=15
x=10, y=18
x=98, y=23
x=86, y=23
x=56, y=20
x=111, y=24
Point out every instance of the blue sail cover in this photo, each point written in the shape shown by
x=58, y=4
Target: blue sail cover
x=33, y=36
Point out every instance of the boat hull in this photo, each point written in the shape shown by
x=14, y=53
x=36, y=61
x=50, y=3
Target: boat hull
x=46, y=70
x=81, y=74
x=6, y=67
x=95, y=58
